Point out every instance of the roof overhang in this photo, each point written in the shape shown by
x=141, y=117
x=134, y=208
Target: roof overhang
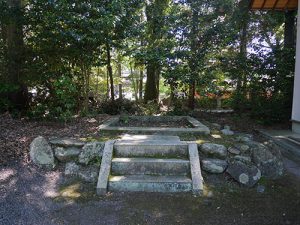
x=282, y=5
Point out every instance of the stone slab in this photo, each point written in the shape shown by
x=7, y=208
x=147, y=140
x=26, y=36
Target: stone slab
x=105, y=168
x=129, y=137
x=66, y=142
x=195, y=169
x=146, y=183
x=151, y=148
x=150, y=166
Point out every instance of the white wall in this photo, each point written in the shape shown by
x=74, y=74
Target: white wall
x=296, y=99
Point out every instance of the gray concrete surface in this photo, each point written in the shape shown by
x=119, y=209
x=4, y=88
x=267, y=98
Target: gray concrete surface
x=195, y=169
x=146, y=183
x=150, y=166
x=105, y=168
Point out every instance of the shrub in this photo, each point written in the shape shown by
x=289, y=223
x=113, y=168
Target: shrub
x=118, y=106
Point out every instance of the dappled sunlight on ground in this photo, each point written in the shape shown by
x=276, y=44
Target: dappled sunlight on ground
x=6, y=174
x=29, y=196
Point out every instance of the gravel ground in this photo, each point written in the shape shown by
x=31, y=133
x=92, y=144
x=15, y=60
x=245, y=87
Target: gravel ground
x=29, y=195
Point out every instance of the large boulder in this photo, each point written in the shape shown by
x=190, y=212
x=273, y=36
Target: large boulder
x=245, y=174
x=268, y=159
x=91, y=151
x=214, y=165
x=214, y=150
x=66, y=154
x=41, y=153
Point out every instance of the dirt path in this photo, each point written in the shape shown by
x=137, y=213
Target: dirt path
x=17, y=134
x=31, y=196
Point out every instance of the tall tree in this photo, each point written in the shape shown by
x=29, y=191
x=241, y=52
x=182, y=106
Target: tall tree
x=13, y=33
x=156, y=11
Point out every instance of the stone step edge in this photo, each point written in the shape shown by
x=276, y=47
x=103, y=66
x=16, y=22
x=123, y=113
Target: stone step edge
x=148, y=160
x=150, y=143
x=150, y=179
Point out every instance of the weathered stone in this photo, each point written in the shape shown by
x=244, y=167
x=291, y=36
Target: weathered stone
x=227, y=132
x=215, y=150
x=66, y=142
x=216, y=126
x=247, y=175
x=85, y=173
x=214, y=165
x=268, y=159
x=197, y=179
x=66, y=154
x=41, y=153
x=88, y=174
x=227, y=127
x=244, y=137
x=260, y=188
x=71, y=169
x=90, y=151
x=243, y=148
x=244, y=159
x=234, y=150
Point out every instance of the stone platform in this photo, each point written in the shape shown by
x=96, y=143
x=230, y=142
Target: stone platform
x=196, y=126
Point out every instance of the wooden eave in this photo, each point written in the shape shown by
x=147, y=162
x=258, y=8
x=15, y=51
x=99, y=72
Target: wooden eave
x=281, y=5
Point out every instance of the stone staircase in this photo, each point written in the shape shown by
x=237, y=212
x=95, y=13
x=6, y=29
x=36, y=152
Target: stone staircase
x=288, y=141
x=150, y=163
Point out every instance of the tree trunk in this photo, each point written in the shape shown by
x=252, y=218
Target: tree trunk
x=193, y=61
x=15, y=56
x=172, y=94
x=110, y=73
x=289, y=30
x=120, y=83
x=241, y=89
x=107, y=85
x=192, y=95
x=86, y=74
x=135, y=87
x=141, y=84
x=151, y=93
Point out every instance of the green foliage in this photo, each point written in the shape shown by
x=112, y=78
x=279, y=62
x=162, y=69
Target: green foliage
x=118, y=107
x=60, y=104
x=5, y=89
x=151, y=108
x=65, y=60
x=179, y=108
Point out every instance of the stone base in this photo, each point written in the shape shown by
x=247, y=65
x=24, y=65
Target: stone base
x=296, y=127
x=197, y=127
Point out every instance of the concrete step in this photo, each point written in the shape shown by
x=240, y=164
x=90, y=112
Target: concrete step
x=150, y=166
x=151, y=148
x=147, y=183
x=129, y=137
x=295, y=140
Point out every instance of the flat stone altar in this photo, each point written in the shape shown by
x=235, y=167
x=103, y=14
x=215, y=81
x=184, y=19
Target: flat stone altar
x=194, y=125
